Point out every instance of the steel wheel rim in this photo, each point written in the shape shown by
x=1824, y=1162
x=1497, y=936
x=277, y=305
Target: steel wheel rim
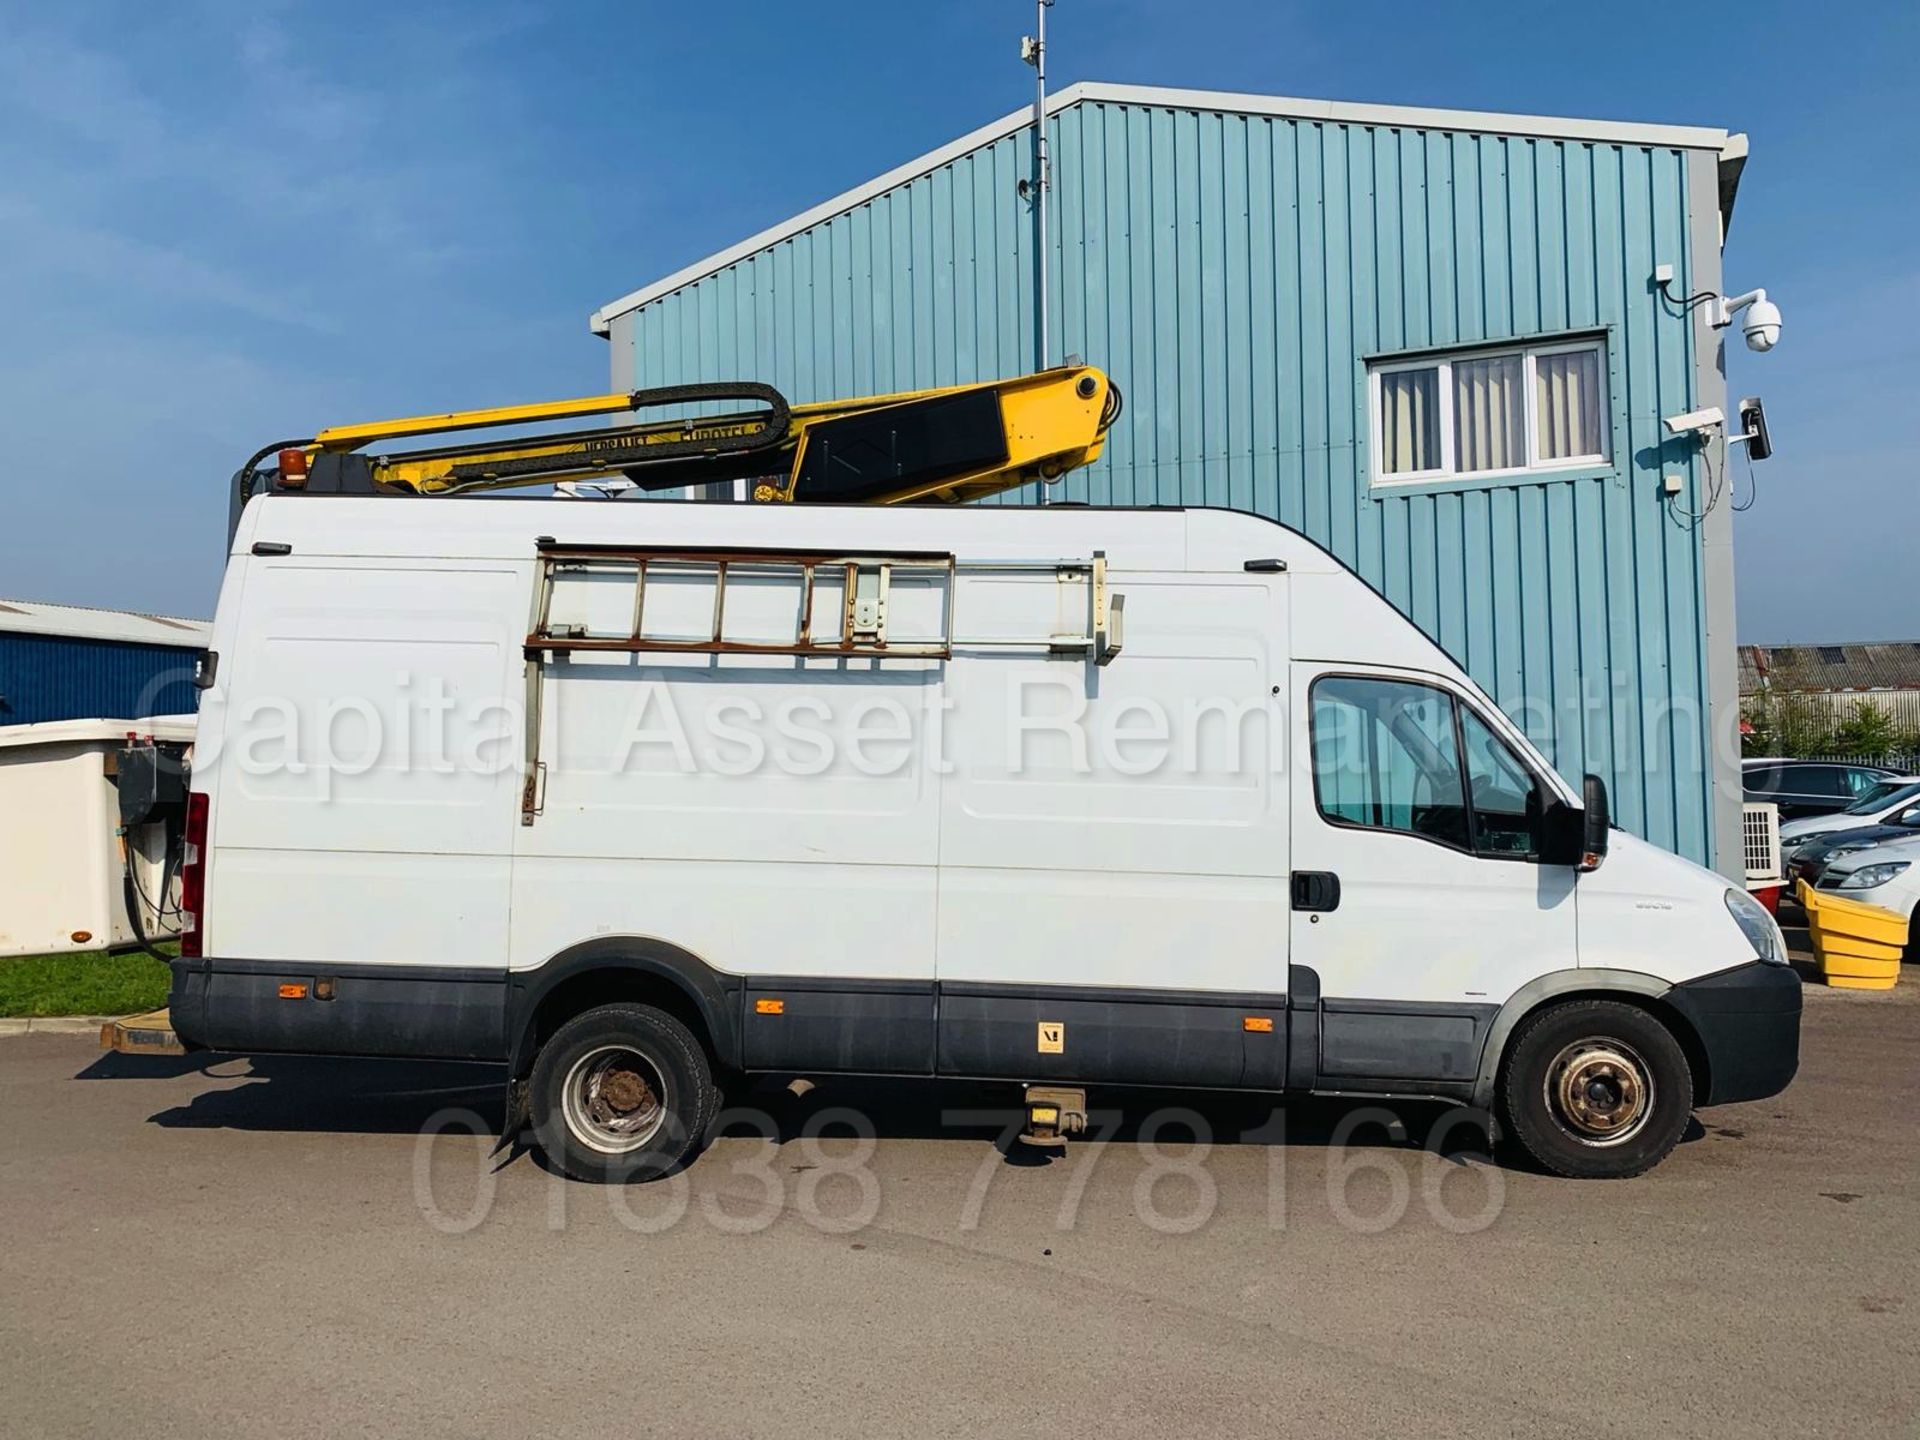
x=1600, y=1092
x=614, y=1099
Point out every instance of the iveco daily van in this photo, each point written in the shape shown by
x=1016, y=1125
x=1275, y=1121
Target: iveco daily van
x=636, y=798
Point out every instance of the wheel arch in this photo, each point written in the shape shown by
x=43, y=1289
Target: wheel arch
x=1631, y=987
x=610, y=968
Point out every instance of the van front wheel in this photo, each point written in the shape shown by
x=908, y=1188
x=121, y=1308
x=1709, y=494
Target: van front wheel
x=1596, y=1089
x=621, y=1092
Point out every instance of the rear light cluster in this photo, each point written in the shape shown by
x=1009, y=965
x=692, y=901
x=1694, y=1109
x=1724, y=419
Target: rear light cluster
x=193, y=875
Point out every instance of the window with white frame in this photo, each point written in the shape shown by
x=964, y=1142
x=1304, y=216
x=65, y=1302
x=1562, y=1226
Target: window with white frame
x=1489, y=412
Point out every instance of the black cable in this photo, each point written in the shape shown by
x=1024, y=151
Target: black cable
x=1688, y=519
x=135, y=908
x=1691, y=303
x=1753, y=487
x=135, y=894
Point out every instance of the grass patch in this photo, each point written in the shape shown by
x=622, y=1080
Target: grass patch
x=91, y=982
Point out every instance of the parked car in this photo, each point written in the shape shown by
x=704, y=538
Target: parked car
x=1810, y=787
x=1811, y=859
x=1887, y=803
x=1887, y=875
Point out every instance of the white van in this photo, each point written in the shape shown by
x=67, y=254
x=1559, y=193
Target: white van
x=637, y=798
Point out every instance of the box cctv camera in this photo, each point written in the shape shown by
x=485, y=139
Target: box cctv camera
x=1753, y=428
x=1695, y=421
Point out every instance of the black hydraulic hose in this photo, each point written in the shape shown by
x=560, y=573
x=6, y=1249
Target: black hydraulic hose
x=136, y=903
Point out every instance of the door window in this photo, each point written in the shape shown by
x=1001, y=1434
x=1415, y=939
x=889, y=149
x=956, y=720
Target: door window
x=1500, y=789
x=1387, y=756
x=1827, y=781
x=1859, y=782
x=1384, y=757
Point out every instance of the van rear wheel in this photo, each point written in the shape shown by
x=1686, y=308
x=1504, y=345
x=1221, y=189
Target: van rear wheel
x=621, y=1092
x=1596, y=1089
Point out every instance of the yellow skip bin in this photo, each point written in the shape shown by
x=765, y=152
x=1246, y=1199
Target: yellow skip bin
x=1858, y=945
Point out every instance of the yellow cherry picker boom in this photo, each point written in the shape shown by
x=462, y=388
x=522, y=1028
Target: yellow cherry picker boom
x=944, y=446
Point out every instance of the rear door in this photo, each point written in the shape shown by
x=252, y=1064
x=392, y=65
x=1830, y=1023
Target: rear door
x=1419, y=905
x=364, y=809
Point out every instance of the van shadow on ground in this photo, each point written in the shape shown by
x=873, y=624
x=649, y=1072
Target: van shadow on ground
x=309, y=1094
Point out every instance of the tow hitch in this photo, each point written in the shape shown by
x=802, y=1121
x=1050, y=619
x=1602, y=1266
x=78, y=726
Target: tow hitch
x=1053, y=1114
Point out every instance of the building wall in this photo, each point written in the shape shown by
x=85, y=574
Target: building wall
x=1902, y=707
x=48, y=677
x=1233, y=273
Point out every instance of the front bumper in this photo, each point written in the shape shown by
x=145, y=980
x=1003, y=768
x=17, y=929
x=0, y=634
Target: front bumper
x=1748, y=1021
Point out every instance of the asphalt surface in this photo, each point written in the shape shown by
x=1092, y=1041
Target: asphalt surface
x=267, y=1248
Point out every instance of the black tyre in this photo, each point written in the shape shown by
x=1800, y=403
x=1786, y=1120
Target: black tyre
x=1596, y=1089
x=621, y=1092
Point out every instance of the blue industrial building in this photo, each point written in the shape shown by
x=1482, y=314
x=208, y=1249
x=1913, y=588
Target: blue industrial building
x=1431, y=340
x=63, y=662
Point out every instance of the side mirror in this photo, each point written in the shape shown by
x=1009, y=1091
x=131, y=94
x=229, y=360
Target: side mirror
x=1577, y=835
x=1599, y=821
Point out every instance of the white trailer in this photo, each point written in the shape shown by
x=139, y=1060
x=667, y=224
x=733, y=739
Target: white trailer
x=638, y=797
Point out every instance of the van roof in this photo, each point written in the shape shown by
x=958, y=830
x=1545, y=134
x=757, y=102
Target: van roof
x=506, y=528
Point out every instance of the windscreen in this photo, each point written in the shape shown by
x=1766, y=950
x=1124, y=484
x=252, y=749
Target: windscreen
x=1884, y=796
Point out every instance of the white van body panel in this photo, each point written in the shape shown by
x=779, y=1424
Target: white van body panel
x=321, y=798
x=1647, y=909
x=929, y=832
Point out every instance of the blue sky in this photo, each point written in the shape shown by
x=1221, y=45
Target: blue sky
x=222, y=223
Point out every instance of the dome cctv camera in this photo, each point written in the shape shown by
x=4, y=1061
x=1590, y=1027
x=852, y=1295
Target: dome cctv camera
x=1762, y=327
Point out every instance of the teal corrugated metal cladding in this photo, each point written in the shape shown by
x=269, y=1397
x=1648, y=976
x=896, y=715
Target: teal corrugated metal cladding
x=1233, y=273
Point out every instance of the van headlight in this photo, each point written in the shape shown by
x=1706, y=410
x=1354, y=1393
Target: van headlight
x=1868, y=876
x=1758, y=926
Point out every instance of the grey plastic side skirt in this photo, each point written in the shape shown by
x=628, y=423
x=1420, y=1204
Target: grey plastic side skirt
x=1542, y=988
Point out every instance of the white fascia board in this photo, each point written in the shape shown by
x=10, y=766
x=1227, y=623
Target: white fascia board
x=77, y=622
x=1407, y=117
x=1334, y=112
x=178, y=728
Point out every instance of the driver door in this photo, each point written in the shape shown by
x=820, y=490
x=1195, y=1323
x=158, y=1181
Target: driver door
x=1418, y=901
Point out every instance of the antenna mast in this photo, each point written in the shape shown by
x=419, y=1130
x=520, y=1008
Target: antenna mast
x=1033, y=50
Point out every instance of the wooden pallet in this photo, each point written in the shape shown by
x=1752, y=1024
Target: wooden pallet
x=150, y=1033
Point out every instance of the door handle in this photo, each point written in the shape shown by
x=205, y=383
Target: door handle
x=1316, y=890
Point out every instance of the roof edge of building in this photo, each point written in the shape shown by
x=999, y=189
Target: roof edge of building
x=84, y=622
x=1338, y=112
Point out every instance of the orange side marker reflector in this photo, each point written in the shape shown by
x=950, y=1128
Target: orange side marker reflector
x=293, y=992
x=769, y=1007
x=1258, y=1024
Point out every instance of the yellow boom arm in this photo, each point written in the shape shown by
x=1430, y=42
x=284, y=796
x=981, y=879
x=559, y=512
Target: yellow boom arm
x=948, y=445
